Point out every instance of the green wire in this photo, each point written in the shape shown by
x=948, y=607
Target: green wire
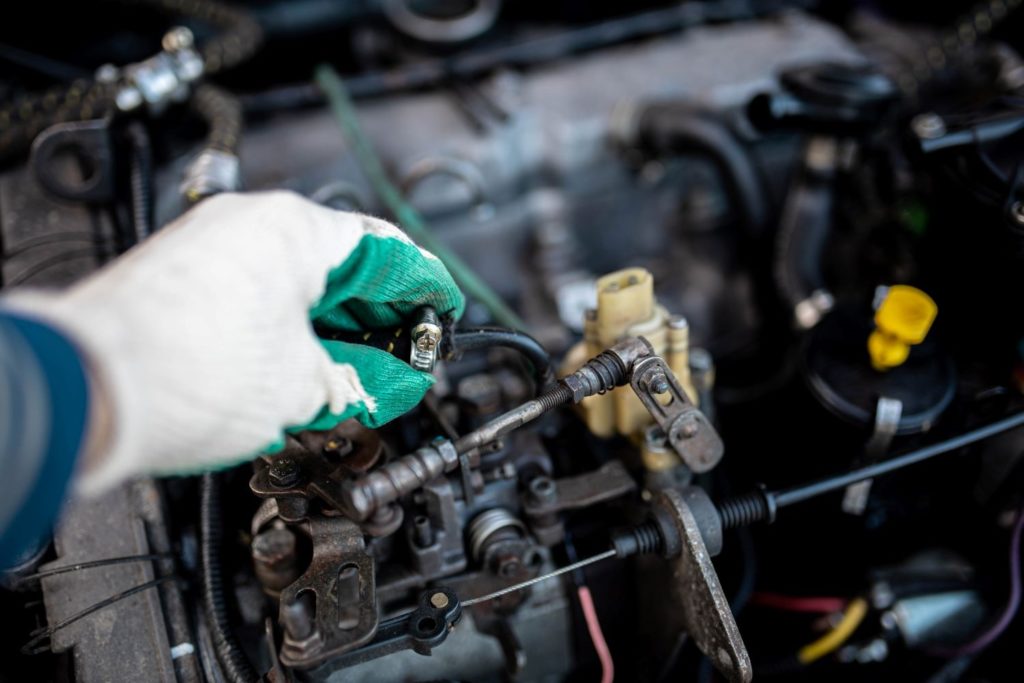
x=408, y=217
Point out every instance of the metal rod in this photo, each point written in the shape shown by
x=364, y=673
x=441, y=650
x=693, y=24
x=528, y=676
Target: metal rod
x=801, y=493
x=526, y=584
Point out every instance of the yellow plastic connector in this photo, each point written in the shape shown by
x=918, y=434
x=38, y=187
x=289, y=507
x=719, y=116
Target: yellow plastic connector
x=901, y=321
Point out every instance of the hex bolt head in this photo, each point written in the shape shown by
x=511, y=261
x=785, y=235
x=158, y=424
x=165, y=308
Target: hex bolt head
x=687, y=427
x=439, y=600
x=659, y=383
x=284, y=472
x=928, y=126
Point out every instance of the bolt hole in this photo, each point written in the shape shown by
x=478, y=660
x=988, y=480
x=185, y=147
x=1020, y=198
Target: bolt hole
x=534, y=559
x=426, y=625
x=542, y=485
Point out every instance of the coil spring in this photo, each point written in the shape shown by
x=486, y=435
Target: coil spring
x=745, y=510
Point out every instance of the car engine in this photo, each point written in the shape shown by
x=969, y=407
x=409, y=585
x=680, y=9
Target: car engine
x=736, y=394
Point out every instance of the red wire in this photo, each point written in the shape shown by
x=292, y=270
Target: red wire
x=594, y=626
x=794, y=603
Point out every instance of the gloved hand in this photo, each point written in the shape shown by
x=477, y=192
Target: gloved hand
x=201, y=339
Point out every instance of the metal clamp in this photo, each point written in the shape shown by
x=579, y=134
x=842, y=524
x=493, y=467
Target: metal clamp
x=688, y=430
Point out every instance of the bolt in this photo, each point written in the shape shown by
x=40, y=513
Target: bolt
x=509, y=567
x=928, y=126
x=178, y=38
x=439, y=600
x=543, y=489
x=658, y=383
x=284, y=472
x=687, y=427
x=1017, y=210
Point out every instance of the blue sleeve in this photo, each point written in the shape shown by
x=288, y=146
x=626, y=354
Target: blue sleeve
x=44, y=406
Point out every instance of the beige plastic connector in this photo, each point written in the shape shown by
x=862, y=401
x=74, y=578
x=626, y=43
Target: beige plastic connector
x=626, y=307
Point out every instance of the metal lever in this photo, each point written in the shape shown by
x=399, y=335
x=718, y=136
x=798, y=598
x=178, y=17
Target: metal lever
x=688, y=430
x=420, y=630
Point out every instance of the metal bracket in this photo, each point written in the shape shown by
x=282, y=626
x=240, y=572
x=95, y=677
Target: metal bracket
x=548, y=497
x=87, y=142
x=315, y=465
x=695, y=588
x=332, y=608
x=688, y=430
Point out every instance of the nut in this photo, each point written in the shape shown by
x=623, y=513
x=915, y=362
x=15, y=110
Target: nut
x=284, y=472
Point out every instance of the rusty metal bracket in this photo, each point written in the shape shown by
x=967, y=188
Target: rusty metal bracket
x=546, y=497
x=695, y=589
x=332, y=608
x=314, y=465
x=607, y=482
x=688, y=430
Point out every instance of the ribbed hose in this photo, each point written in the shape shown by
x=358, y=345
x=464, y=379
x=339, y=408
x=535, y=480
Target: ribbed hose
x=141, y=181
x=222, y=114
x=24, y=118
x=923, y=65
x=234, y=662
x=239, y=39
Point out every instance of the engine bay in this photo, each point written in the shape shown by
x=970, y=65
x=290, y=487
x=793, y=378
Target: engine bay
x=734, y=397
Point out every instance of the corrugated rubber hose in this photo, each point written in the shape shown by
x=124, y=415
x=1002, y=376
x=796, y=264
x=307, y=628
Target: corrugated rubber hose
x=236, y=666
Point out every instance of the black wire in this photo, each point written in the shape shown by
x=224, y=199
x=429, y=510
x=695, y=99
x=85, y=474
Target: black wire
x=236, y=666
x=801, y=493
x=527, y=346
x=125, y=559
x=41, y=634
x=57, y=70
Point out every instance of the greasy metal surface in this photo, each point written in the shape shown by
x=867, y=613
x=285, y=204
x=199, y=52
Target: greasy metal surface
x=137, y=633
x=420, y=630
x=688, y=430
x=699, y=596
x=342, y=619
x=354, y=447
x=607, y=482
x=324, y=461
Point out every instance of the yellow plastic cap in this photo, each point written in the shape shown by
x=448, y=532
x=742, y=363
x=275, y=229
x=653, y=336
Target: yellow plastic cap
x=901, y=321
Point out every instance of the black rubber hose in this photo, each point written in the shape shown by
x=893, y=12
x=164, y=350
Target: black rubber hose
x=804, y=230
x=674, y=128
x=22, y=119
x=527, y=346
x=222, y=114
x=234, y=662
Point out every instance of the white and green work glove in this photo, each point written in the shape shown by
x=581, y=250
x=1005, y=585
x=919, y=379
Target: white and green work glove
x=201, y=343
